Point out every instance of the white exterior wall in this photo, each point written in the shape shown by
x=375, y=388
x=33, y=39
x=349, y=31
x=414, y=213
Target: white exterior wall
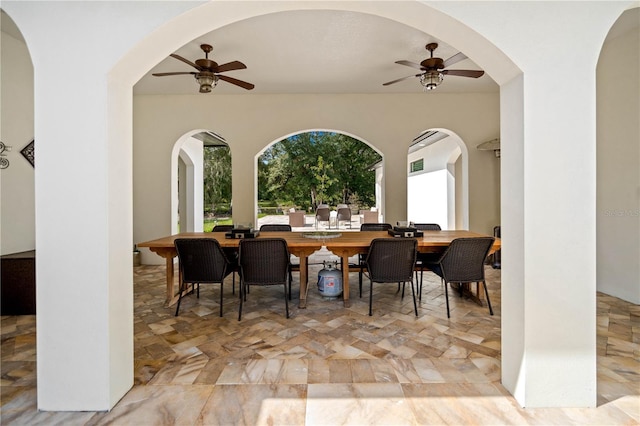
x=17, y=205
x=85, y=352
x=618, y=204
x=428, y=198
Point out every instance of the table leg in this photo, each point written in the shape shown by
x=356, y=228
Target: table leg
x=169, y=263
x=303, y=282
x=345, y=280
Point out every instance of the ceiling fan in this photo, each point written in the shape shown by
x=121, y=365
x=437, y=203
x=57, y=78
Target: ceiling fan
x=433, y=70
x=209, y=71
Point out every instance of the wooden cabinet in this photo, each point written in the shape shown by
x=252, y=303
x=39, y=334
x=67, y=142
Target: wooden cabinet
x=18, y=275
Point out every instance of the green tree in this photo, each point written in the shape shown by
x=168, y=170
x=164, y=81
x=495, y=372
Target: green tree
x=217, y=178
x=318, y=166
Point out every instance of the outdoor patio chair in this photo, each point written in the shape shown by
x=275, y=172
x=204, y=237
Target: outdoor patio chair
x=360, y=266
x=424, y=259
x=391, y=260
x=463, y=263
x=344, y=215
x=323, y=214
x=202, y=261
x=263, y=262
x=231, y=252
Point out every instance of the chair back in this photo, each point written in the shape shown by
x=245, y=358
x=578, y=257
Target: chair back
x=275, y=227
x=391, y=259
x=201, y=260
x=463, y=260
x=222, y=228
x=323, y=213
x=344, y=213
x=375, y=227
x=264, y=261
x=427, y=226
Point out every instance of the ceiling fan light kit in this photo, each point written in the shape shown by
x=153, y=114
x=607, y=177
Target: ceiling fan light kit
x=433, y=69
x=209, y=71
x=430, y=80
x=207, y=81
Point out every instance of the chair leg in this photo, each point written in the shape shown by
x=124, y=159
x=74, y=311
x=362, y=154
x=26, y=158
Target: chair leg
x=181, y=289
x=413, y=293
x=290, y=279
x=402, y=295
x=286, y=299
x=221, y=292
x=486, y=292
x=360, y=281
x=233, y=283
x=446, y=295
x=370, y=297
x=240, y=291
x=198, y=290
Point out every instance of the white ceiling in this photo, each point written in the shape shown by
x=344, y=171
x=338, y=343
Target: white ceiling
x=314, y=52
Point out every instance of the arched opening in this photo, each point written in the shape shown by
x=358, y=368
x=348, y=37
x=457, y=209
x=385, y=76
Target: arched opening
x=188, y=169
x=437, y=181
x=320, y=166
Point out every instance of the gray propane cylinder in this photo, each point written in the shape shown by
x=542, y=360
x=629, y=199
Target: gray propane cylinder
x=330, y=280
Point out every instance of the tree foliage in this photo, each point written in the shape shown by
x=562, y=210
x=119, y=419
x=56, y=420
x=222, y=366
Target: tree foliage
x=318, y=167
x=217, y=179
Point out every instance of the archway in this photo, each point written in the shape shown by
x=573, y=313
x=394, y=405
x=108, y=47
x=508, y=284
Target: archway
x=438, y=182
x=187, y=179
x=378, y=180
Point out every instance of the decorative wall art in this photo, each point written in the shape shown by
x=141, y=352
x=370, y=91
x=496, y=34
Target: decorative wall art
x=29, y=153
x=4, y=162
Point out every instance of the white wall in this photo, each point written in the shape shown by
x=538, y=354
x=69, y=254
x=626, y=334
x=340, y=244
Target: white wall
x=17, y=185
x=442, y=205
x=427, y=200
x=191, y=185
x=618, y=174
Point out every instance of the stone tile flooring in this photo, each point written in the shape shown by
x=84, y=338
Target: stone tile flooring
x=326, y=364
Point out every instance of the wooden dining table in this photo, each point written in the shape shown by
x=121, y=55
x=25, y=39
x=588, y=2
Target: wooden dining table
x=304, y=244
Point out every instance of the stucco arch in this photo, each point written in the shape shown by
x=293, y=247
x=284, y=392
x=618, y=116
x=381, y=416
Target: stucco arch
x=463, y=178
x=379, y=187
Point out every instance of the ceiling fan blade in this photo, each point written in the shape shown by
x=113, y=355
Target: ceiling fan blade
x=455, y=59
x=230, y=66
x=400, y=79
x=162, y=74
x=237, y=82
x=186, y=61
x=464, y=73
x=411, y=64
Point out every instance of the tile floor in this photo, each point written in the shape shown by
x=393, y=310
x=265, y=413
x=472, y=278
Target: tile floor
x=325, y=365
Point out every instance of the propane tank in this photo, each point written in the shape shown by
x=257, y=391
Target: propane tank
x=330, y=280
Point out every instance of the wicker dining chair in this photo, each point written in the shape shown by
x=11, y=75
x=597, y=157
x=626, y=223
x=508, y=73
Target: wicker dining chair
x=360, y=265
x=202, y=261
x=222, y=228
x=391, y=260
x=423, y=260
x=231, y=252
x=295, y=261
x=263, y=262
x=463, y=263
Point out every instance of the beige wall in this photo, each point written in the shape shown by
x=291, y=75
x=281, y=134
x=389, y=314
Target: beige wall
x=250, y=122
x=17, y=207
x=618, y=167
